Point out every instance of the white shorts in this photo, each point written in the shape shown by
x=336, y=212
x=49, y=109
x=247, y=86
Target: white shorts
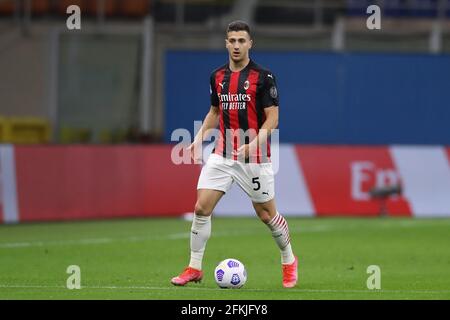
x=256, y=179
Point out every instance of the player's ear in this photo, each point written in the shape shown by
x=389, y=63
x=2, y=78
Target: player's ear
x=251, y=43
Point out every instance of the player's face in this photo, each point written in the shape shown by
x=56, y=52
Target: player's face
x=238, y=44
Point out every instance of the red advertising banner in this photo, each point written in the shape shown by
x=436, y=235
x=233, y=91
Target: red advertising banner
x=340, y=178
x=448, y=154
x=44, y=183
x=77, y=182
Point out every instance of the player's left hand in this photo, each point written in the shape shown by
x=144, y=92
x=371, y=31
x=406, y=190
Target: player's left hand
x=243, y=151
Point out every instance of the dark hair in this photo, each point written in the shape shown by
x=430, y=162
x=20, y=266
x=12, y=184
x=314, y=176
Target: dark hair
x=238, y=26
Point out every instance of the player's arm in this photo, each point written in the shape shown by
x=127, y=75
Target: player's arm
x=270, y=124
x=261, y=139
x=211, y=122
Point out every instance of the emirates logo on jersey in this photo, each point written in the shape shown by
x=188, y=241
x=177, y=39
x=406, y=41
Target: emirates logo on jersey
x=234, y=97
x=234, y=101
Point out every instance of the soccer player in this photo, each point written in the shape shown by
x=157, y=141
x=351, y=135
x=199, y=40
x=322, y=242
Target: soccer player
x=244, y=104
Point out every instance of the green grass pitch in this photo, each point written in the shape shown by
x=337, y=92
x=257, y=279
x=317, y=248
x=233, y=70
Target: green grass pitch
x=135, y=259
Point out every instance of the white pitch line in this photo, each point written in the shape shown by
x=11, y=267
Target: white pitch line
x=172, y=236
x=149, y=288
x=185, y=235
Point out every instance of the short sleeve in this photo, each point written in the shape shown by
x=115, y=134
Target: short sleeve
x=213, y=91
x=269, y=91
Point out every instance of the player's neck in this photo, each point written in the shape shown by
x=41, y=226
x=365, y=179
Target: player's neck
x=238, y=66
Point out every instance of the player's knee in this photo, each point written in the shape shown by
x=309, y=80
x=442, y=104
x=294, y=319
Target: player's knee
x=202, y=210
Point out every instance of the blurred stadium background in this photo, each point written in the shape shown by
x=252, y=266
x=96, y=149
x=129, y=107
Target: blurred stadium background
x=86, y=118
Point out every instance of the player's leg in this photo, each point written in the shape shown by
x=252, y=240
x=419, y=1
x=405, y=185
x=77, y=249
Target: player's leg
x=200, y=233
x=207, y=200
x=257, y=180
x=213, y=182
x=268, y=214
x=278, y=225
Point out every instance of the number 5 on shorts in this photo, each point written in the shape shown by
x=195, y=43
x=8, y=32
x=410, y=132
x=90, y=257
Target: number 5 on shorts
x=258, y=185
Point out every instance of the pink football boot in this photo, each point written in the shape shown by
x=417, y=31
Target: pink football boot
x=189, y=274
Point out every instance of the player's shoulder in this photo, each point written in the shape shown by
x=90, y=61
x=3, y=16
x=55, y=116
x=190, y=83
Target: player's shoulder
x=265, y=72
x=218, y=69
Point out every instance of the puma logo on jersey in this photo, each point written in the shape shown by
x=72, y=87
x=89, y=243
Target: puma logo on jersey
x=266, y=193
x=221, y=84
x=270, y=76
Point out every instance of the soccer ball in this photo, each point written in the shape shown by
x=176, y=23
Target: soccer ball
x=230, y=273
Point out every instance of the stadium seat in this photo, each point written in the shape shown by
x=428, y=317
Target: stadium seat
x=136, y=8
x=110, y=7
x=74, y=135
x=3, y=125
x=27, y=130
x=63, y=4
x=108, y=136
x=7, y=7
x=40, y=7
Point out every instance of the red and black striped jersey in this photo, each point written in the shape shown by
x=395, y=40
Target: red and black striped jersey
x=242, y=97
